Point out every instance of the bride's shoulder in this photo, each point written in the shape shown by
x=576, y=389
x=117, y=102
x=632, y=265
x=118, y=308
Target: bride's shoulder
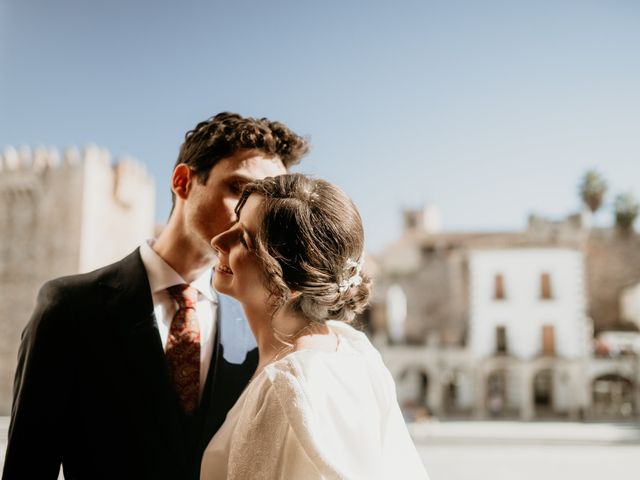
x=354, y=337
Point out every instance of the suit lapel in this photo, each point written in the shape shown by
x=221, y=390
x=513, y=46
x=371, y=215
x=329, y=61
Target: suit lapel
x=151, y=397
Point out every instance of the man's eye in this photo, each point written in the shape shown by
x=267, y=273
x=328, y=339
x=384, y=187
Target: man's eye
x=236, y=188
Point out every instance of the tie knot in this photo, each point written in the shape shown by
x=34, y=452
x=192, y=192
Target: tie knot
x=185, y=295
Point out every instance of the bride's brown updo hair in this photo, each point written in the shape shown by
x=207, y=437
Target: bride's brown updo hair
x=309, y=240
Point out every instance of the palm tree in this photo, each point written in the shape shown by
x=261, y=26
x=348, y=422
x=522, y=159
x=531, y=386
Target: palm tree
x=626, y=209
x=592, y=190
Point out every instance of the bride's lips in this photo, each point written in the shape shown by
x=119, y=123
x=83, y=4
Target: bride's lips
x=223, y=269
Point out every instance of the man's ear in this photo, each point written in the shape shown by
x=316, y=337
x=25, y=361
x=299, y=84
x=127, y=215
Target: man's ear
x=181, y=180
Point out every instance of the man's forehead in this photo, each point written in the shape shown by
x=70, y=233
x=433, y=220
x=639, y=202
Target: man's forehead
x=257, y=166
x=245, y=155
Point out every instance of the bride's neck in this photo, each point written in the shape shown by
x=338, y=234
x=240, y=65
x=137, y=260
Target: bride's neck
x=272, y=330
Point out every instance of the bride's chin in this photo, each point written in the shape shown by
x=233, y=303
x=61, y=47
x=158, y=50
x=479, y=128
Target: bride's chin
x=221, y=287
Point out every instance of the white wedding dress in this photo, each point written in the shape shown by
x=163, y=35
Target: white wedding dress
x=317, y=415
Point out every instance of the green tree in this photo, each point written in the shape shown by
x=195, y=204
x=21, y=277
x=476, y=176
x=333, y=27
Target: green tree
x=626, y=209
x=592, y=190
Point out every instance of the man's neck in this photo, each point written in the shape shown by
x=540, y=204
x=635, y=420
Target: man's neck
x=183, y=253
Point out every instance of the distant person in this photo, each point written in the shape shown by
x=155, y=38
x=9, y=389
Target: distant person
x=127, y=372
x=321, y=404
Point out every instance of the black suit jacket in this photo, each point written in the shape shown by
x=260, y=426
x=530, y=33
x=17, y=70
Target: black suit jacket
x=92, y=390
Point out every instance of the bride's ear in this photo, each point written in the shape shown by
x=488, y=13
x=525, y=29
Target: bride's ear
x=294, y=294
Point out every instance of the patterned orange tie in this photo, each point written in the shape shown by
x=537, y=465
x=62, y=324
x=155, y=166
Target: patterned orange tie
x=183, y=347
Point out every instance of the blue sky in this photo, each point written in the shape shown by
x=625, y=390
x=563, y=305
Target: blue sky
x=492, y=110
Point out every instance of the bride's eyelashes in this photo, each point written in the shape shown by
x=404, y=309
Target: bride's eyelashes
x=241, y=234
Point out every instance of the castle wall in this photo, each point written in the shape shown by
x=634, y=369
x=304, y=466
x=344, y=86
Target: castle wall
x=436, y=290
x=117, y=212
x=60, y=217
x=613, y=264
x=39, y=240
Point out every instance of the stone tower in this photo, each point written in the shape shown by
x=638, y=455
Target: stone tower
x=60, y=216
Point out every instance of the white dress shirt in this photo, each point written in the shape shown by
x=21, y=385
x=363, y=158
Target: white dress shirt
x=162, y=276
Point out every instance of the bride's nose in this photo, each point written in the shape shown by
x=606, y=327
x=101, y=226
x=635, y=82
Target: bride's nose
x=220, y=243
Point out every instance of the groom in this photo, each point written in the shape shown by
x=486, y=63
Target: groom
x=128, y=371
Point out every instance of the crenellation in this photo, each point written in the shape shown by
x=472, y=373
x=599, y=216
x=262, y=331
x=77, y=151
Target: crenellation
x=125, y=166
x=105, y=156
x=40, y=159
x=46, y=159
x=53, y=157
x=91, y=153
x=49, y=158
x=71, y=156
x=131, y=168
x=25, y=157
x=130, y=178
x=11, y=158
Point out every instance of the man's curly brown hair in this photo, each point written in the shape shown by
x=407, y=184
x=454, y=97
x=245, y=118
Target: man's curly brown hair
x=224, y=134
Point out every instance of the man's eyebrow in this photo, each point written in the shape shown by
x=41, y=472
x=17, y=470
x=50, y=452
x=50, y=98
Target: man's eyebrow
x=238, y=178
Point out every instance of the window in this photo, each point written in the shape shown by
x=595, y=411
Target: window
x=501, y=339
x=548, y=340
x=498, y=287
x=545, y=286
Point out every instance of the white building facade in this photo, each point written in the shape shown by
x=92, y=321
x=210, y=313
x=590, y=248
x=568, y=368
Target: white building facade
x=529, y=330
x=527, y=303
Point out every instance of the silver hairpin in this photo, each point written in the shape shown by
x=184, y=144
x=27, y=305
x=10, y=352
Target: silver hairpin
x=355, y=279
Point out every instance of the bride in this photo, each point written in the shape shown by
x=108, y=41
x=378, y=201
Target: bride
x=321, y=403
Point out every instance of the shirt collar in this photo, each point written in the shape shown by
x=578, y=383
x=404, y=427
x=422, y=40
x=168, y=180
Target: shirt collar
x=204, y=285
x=162, y=276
